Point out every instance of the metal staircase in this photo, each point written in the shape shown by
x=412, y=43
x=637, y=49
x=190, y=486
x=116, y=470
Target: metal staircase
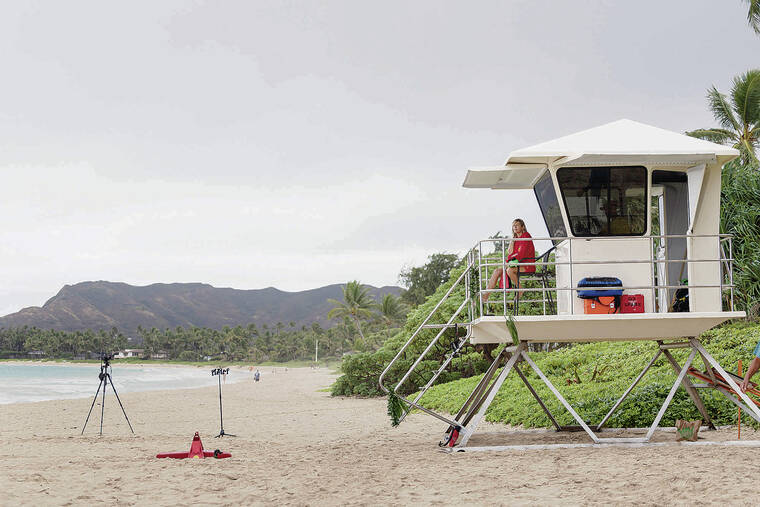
x=442, y=327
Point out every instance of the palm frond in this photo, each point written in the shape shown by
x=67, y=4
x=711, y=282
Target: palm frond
x=748, y=152
x=753, y=15
x=513, y=330
x=363, y=312
x=720, y=136
x=745, y=94
x=721, y=110
x=395, y=408
x=338, y=311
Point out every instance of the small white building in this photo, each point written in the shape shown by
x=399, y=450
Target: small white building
x=122, y=354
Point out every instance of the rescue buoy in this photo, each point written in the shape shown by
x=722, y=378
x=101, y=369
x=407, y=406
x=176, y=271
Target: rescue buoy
x=196, y=451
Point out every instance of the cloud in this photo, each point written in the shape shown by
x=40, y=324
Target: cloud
x=266, y=143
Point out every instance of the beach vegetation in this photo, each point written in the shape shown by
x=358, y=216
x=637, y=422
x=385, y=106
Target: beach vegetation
x=753, y=14
x=361, y=371
x=275, y=344
x=357, y=305
x=738, y=117
x=422, y=281
x=392, y=312
x=26, y=342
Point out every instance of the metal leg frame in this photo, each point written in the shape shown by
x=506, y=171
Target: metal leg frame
x=482, y=398
x=538, y=399
x=628, y=391
x=484, y=387
x=687, y=385
x=672, y=393
x=560, y=397
x=476, y=398
x=473, y=425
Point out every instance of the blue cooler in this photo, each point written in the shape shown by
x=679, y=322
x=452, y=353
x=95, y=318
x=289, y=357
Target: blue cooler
x=599, y=282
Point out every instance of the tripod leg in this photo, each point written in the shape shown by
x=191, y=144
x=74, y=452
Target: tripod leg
x=119, y=400
x=93, y=404
x=103, y=403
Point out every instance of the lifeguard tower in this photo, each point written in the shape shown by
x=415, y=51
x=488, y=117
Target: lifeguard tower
x=625, y=201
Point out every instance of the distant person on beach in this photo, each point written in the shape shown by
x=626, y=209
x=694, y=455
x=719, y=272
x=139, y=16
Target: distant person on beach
x=753, y=367
x=518, y=251
x=256, y=376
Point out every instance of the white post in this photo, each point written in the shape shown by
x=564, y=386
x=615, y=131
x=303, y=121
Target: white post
x=316, y=351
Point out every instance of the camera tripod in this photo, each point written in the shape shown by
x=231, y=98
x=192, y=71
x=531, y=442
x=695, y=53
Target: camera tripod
x=105, y=379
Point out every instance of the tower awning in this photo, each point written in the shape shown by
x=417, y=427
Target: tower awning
x=510, y=176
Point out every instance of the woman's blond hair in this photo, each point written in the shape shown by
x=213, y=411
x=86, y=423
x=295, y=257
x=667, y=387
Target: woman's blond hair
x=521, y=222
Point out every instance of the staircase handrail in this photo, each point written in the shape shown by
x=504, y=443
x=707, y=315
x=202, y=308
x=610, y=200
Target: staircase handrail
x=414, y=335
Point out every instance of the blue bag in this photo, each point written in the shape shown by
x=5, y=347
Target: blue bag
x=600, y=281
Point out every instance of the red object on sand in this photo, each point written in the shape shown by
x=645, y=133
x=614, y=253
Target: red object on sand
x=196, y=451
x=454, y=437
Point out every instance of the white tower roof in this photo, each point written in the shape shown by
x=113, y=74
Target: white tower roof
x=622, y=142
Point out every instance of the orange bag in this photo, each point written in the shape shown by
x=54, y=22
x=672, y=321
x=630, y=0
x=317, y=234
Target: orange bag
x=603, y=304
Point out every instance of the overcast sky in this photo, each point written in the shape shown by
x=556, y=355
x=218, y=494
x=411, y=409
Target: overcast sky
x=298, y=144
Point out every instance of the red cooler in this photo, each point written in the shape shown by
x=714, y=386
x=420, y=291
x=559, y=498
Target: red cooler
x=632, y=303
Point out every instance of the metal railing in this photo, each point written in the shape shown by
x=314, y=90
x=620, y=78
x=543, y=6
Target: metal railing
x=485, y=264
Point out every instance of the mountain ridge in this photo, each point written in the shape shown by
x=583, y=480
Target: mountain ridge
x=103, y=305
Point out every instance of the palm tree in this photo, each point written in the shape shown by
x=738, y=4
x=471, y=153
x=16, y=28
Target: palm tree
x=753, y=15
x=739, y=119
x=392, y=310
x=356, y=304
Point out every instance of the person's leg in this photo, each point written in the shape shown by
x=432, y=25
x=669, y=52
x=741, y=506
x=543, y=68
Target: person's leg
x=512, y=274
x=492, y=282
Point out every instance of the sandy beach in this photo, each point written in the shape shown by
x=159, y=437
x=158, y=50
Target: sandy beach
x=297, y=445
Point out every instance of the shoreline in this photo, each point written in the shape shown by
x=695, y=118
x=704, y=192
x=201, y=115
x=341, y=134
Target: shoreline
x=117, y=362
x=51, y=389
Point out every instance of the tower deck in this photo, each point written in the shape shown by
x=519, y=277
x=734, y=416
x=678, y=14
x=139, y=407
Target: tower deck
x=591, y=328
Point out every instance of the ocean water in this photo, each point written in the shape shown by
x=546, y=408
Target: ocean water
x=39, y=382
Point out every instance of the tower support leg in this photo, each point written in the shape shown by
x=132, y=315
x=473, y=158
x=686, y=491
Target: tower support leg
x=690, y=389
x=473, y=425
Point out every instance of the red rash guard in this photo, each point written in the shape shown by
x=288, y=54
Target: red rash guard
x=524, y=250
